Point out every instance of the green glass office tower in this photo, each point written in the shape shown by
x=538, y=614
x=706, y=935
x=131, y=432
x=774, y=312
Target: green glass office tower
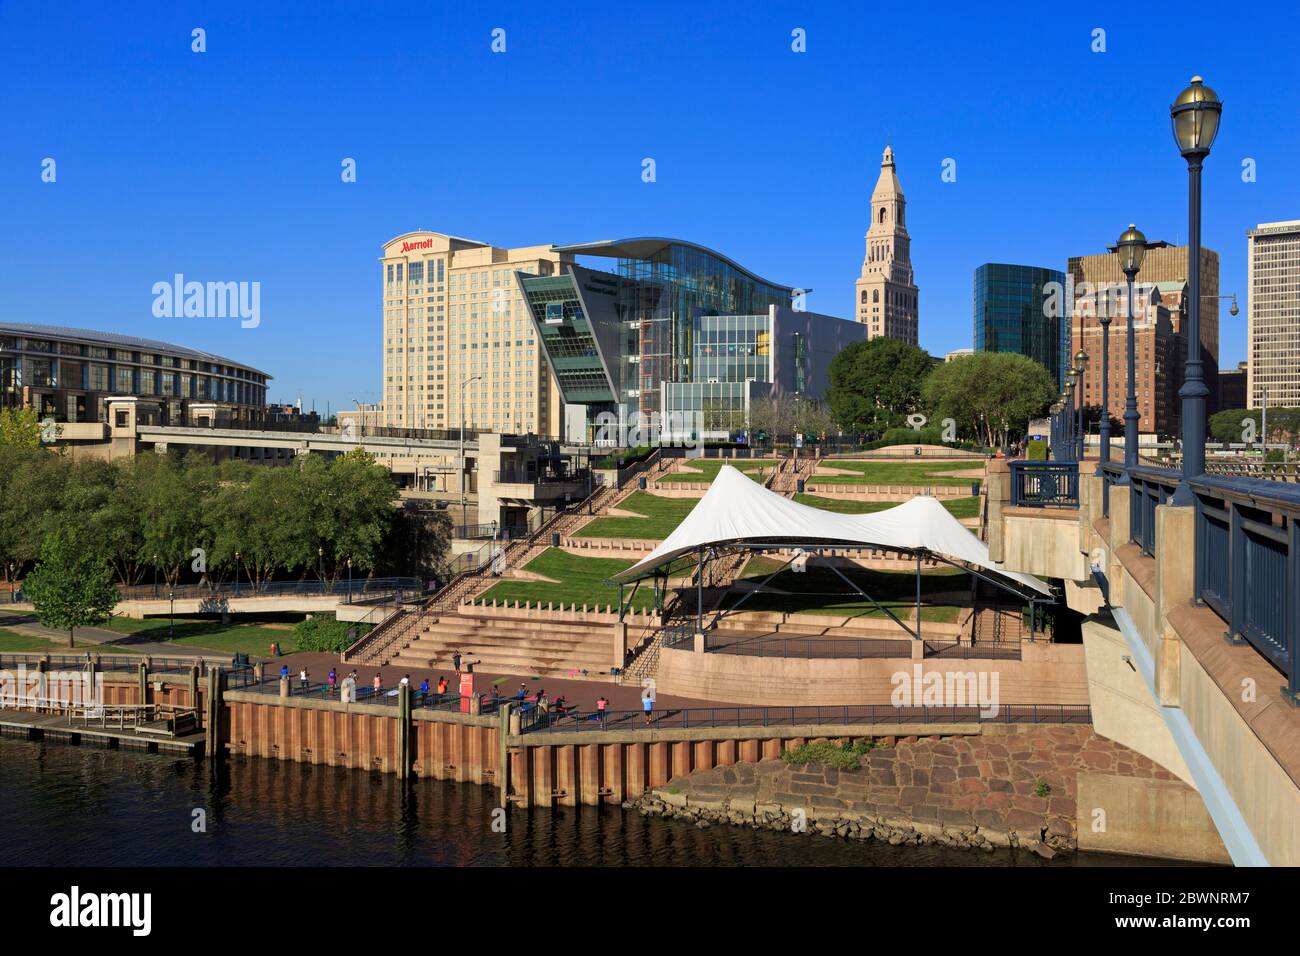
x=1023, y=309
x=677, y=328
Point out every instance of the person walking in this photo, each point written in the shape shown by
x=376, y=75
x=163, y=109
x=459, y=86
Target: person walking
x=349, y=688
x=424, y=690
x=303, y=681
x=455, y=661
x=332, y=678
x=602, y=706
x=442, y=687
x=379, y=684
x=648, y=699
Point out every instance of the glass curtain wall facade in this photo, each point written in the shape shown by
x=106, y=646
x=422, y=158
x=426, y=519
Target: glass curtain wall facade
x=1022, y=309
x=729, y=352
x=67, y=374
x=673, y=289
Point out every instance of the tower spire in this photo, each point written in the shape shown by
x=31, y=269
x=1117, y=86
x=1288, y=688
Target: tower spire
x=886, y=298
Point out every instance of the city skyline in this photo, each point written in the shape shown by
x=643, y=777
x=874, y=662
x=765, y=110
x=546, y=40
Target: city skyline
x=231, y=170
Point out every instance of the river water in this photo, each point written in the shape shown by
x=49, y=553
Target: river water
x=63, y=805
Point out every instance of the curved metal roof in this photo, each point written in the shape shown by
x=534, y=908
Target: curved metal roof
x=115, y=340
x=647, y=247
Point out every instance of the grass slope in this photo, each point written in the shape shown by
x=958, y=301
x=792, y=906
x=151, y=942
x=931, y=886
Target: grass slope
x=662, y=515
x=582, y=581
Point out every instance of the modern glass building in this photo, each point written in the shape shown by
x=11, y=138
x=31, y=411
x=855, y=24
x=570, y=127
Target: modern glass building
x=67, y=374
x=1023, y=309
x=676, y=327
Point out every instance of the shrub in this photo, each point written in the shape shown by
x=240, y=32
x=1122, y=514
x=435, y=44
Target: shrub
x=1042, y=790
x=325, y=632
x=840, y=756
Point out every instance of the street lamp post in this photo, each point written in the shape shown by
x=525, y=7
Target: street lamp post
x=349, y=580
x=467, y=381
x=1132, y=247
x=320, y=567
x=1103, y=428
x=155, y=577
x=1080, y=363
x=1195, y=116
x=171, y=624
x=236, y=574
x=1069, y=414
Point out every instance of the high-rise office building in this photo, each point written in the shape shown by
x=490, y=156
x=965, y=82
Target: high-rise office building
x=885, y=294
x=458, y=343
x=1021, y=309
x=1157, y=353
x=1273, y=314
x=1165, y=265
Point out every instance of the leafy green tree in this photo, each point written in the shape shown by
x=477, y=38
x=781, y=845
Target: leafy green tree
x=875, y=385
x=357, y=513
x=72, y=586
x=31, y=488
x=992, y=395
x=20, y=427
x=1283, y=424
x=170, y=493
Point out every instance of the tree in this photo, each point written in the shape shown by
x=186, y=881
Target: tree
x=72, y=586
x=875, y=385
x=1228, y=425
x=31, y=489
x=20, y=427
x=989, y=394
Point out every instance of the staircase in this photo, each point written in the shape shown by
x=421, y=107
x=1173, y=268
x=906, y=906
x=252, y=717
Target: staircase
x=998, y=625
x=521, y=645
x=785, y=477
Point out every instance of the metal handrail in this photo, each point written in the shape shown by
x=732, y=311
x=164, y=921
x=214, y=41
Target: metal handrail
x=576, y=721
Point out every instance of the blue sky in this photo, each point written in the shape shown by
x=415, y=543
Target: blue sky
x=225, y=165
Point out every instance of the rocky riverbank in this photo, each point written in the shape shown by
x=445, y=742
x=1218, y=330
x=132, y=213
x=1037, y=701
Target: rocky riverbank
x=981, y=792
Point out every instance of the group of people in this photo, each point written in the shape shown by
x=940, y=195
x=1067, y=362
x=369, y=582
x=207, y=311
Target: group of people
x=347, y=689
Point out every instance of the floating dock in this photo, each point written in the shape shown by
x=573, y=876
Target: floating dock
x=152, y=736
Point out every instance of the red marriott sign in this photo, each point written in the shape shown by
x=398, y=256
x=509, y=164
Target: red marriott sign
x=418, y=244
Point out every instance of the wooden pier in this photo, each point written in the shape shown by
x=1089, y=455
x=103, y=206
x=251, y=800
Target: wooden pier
x=152, y=736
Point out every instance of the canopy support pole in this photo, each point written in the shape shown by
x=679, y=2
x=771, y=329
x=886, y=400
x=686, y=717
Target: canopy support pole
x=699, y=594
x=723, y=611
x=918, y=594
x=915, y=634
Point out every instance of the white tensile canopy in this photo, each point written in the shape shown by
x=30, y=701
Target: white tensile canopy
x=738, y=511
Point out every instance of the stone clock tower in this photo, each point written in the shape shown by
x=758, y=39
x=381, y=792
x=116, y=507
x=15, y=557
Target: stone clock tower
x=886, y=296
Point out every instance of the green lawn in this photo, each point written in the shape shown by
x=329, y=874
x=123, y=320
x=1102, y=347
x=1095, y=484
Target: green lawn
x=11, y=642
x=898, y=472
x=662, y=515
x=582, y=580
x=819, y=590
x=959, y=507
x=711, y=466
x=250, y=636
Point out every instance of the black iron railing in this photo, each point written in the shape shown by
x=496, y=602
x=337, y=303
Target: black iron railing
x=1248, y=564
x=1148, y=489
x=1044, y=484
